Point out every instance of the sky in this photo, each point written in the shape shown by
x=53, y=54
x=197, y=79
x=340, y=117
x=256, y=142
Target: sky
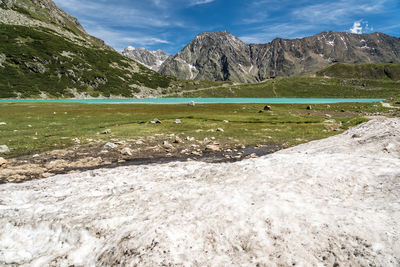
x=171, y=24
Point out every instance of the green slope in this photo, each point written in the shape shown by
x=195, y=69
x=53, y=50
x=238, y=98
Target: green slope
x=306, y=87
x=36, y=60
x=387, y=71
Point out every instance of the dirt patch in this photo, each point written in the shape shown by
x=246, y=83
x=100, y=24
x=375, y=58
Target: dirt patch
x=122, y=153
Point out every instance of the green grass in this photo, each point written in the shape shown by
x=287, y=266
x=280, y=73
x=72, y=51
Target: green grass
x=306, y=87
x=37, y=127
x=386, y=71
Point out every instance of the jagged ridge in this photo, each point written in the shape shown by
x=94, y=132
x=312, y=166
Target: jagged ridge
x=221, y=56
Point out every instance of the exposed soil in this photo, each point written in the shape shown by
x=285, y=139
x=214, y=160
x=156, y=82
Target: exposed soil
x=94, y=156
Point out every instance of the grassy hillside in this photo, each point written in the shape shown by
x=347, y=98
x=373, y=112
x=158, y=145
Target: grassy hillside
x=363, y=71
x=36, y=60
x=306, y=87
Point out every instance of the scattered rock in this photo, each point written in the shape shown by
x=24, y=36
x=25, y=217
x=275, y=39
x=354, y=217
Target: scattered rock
x=106, y=131
x=139, y=142
x=35, y=67
x=120, y=142
x=178, y=140
x=3, y=162
x=167, y=145
x=260, y=111
x=213, y=148
x=155, y=121
x=226, y=121
x=328, y=116
x=267, y=108
x=197, y=153
x=191, y=103
x=36, y=156
x=309, y=107
x=3, y=123
x=177, y=121
x=140, y=122
x=126, y=151
x=355, y=136
x=328, y=106
x=253, y=156
x=110, y=145
x=4, y=149
x=342, y=110
x=220, y=130
x=76, y=140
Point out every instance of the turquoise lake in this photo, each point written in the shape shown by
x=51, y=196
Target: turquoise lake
x=200, y=100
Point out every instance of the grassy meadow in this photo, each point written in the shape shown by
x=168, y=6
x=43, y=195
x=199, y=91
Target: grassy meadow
x=37, y=127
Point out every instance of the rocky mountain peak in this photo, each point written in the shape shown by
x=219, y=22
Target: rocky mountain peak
x=149, y=58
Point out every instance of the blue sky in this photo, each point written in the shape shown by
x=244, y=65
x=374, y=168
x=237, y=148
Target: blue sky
x=171, y=24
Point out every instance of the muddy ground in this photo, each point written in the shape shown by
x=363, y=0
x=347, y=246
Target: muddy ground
x=140, y=152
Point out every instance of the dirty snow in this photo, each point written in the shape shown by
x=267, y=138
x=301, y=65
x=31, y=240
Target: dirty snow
x=330, y=201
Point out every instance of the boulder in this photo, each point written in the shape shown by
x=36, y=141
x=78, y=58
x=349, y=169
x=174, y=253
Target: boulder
x=140, y=122
x=261, y=111
x=126, y=151
x=155, y=121
x=267, y=108
x=191, y=103
x=110, y=145
x=226, y=121
x=3, y=123
x=4, y=149
x=106, y=131
x=309, y=107
x=167, y=145
x=3, y=162
x=220, y=130
x=178, y=140
x=213, y=148
x=177, y=121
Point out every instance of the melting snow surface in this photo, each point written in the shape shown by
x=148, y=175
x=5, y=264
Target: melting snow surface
x=330, y=201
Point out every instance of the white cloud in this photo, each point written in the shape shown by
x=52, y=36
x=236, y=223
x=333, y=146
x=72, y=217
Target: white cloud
x=279, y=30
x=357, y=28
x=200, y=2
x=119, y=39
x=338, y=12
x=360, y=27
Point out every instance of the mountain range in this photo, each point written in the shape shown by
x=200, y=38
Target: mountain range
x=45, y=52
x=221, y=56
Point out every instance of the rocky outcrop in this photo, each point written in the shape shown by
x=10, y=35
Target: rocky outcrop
x=221, y=56
x=151, y=59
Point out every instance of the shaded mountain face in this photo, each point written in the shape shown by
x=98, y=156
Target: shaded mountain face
x=44, y=52
x=221, y=56
x=151, y=59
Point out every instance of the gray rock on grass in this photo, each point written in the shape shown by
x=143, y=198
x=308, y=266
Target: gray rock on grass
x=4, y=149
